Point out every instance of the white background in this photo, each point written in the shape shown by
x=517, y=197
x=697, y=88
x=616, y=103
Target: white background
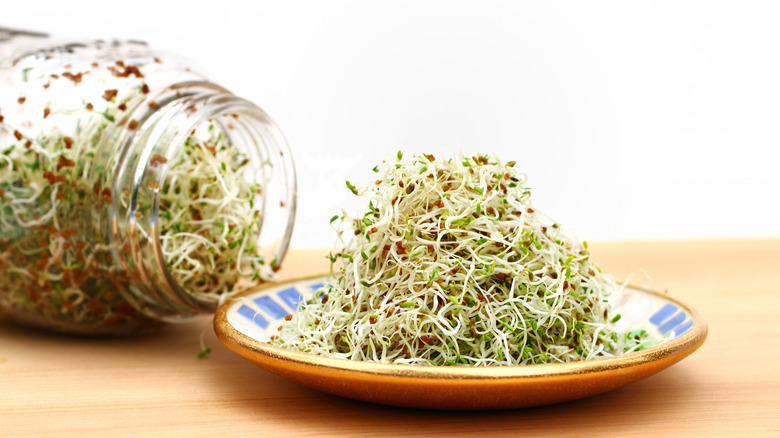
x=651, y=120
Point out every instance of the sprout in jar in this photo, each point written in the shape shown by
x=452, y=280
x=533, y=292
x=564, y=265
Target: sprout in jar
x=113, y=216
x=209, y=224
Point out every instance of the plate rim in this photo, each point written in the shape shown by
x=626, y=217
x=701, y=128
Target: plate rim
x=244, y=345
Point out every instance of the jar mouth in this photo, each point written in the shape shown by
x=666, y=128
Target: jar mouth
x=210, y=199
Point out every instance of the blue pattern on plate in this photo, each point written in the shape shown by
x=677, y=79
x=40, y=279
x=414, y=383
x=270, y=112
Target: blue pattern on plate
x=682, y=328
x=665, y=324
x=661, y=315
x=268, y=306
x=291, y=296
x=271, y=307
x=671, y=323
x=252, y=315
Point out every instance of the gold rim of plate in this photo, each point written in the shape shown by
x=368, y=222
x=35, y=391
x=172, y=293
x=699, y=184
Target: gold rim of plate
x=456, y=387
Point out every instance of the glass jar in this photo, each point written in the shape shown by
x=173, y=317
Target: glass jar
x=133, y=191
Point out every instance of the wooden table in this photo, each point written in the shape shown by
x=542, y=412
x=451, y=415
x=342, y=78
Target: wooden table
x=156, y=385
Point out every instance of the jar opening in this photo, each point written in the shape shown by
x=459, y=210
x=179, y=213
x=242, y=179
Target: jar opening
x=212, y=201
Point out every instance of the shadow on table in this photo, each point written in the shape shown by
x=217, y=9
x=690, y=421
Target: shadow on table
x=311, y=412
x=169, y=344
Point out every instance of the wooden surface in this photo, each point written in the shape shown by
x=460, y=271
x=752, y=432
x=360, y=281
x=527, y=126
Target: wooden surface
x=156, y=385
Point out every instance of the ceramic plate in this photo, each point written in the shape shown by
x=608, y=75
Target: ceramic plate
x=245, y=324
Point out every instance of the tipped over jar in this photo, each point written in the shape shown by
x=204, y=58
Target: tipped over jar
x=133, y=191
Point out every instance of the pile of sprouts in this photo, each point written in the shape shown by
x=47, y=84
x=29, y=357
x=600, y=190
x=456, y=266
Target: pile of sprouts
x=450, y=264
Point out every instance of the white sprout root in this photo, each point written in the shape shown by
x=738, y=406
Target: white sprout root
x=451, y=265
x=210, y=220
